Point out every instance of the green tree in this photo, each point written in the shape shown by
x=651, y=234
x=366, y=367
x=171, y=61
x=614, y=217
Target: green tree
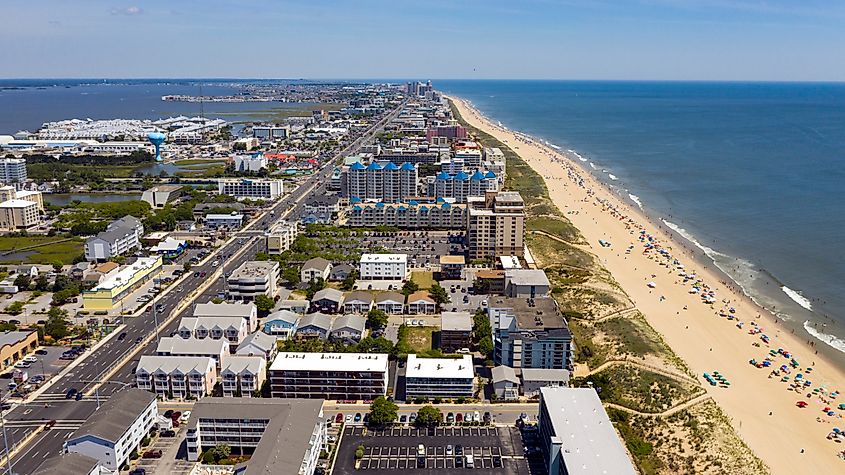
x=439, y=294
x=315, y=287
x=57, y=324
x=57, y=266
x=429, y=416
x=217, y=300
x=409, y=288
x=382, y=411
x=22, y=281
x=376, y=319
x=264, y=303
x=42, y=283
x=349, y=282
x=221, y=452
x=291, y=275
x=186, y=266
x=64, y=296
x=482, y=333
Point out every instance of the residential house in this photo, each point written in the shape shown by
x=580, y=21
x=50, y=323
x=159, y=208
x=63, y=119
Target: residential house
x=314, y=325
x=505, y=383
x=207, y=347
x=232, y=329
x=526, y=283
x=391, y=303
x=348, y=328
x=246, y=310
x=281, y=324
x=327, y=300
x=258, y=344
x=358, y=302
x=421, y=303
x=242, y=376
x=340, y=272
x=535, y=378
x=314, y=270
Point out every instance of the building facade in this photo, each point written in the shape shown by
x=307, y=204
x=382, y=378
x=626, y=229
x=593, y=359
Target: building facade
x=383, y=266
x=176, y=376
x=411, y=215
x=281, y=236
x=496, y=225
x=243, y=376
x=109, y=294
x=530, y=333
x=253, y=278
x=120, y=237
x=439, y=377
x=390, y=183
x=348, y=376
x=12, y=170
x=252, y=188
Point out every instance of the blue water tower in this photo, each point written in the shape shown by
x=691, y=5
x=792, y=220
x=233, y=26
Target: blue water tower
x=157, y=138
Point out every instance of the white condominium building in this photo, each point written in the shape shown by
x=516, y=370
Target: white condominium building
x=439, y=377
x=176, y=376
x=383, y=266
x=390, y=183
x=253, y=278
x=329, y=375
x=12, y=170
x=252, y=188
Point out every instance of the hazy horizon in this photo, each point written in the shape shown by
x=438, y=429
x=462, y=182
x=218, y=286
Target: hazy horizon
x=678, y=40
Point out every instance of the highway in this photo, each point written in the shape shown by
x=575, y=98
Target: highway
x=110, y=367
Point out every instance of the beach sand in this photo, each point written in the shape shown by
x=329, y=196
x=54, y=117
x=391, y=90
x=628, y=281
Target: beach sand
x=790, y=440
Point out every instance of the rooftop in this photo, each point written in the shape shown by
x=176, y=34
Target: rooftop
x=123, y=276
x=177, y=345
x=169, y=364
x=238, y=309
x=14, y=337
x=456, y=321
x=316, y=263
x=328, y=293
x=239, y=364
x=420, y=295
x=67, y=464
x=535, y=277
x=439, y=367
x=504, y=373
x=330, y=362
x=116, y=415
x=452, y=260
x=286, y=439
x=358, y=295
x=402, y=258
x=590, y=445
x=17, y=204
x=532, y=314
x=254, y=270
x=542, y=374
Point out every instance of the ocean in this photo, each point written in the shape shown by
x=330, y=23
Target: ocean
x=750, y=173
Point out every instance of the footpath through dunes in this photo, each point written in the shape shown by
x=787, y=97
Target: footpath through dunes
x=675, y=321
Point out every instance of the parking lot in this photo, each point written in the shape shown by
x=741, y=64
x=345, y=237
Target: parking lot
x=47, y=365
x=393, y=449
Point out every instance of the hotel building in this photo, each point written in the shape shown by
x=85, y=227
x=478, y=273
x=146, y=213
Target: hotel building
x=329, y=375
x=496, y=225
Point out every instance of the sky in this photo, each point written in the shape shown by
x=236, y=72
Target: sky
x=769, y=40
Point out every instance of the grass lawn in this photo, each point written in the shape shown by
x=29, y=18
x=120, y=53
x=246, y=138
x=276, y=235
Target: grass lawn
x=561, y=228
x=419, y=338
x=49, y=249
x=424, y=279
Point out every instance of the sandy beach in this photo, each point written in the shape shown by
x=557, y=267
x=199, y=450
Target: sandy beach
x=666, y=282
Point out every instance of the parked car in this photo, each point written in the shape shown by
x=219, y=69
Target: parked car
x=70, y=393
x=41, y=351
x=168, y=433
x=152, y=454
x=79, y=395
x=30, y=359
x=339, y=417
x=357, y=417
x=138, y=471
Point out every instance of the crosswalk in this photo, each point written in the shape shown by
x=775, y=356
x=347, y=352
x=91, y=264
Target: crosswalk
x=60, y=424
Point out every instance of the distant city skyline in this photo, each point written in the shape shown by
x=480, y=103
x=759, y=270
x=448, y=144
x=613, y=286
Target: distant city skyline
x=774, y=40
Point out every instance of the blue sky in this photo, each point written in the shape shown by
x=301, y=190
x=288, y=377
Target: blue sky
x=791, y=40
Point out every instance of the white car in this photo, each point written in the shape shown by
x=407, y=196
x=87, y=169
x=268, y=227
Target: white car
x=30, y=359
x=187, y=415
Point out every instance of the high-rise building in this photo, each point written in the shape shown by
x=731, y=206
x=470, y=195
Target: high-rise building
x=12, y=170
x=390, y=183
x=496, y=225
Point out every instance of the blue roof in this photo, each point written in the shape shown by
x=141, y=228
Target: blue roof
x=357, y=208
x=477, y=176
x=439, y=199
x=408, y=166
x=443, y=176
x=357, y=166
x=413, y=202
x=391, y=166
x=490, y=174
x=403, y=208
x=423, y=208
x=379, y=205
x=374, y=166
x=461, y=176
x=446, y=205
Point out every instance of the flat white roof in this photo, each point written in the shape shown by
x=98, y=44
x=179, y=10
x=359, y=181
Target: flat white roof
x=510, y=262
x=384, y=258
x=439, y=367
x=589, y=442
x=124, y=275
x=17, y=204
x=330, y=362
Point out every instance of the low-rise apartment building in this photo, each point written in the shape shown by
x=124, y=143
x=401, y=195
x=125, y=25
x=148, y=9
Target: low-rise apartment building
x=246, y=310
x=120, y=237
x=252, y=188
x=455, y=331
x=205, y=347
x=116, y=429
x=383, y=266
x=411, y=215
x=242, y=376
x=439, y=377
x=353, y=376
x=530, y=333
x=176, y=376
x=231, y=329
x=253, y=278
x=281, y=236
x=280, y=436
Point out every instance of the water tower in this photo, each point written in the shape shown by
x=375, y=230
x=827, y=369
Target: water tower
x=157, y=138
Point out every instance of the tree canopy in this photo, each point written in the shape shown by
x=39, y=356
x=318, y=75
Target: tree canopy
x=429, y=416
x=382, y=411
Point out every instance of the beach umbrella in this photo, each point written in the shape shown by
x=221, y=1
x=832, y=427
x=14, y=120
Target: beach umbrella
x=652, y=285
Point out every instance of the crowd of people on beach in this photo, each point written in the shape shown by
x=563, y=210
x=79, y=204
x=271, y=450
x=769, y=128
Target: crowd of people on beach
x=660, y=250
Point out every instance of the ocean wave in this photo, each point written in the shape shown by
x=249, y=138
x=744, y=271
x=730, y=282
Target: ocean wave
x=797, y=297
x=830, y=340
x=593, y=166
x=556, y=147
x=612, y=176
x=636, y=199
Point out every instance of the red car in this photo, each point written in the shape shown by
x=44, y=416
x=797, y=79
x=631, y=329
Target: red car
x=152, y=454
x=339, y=417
